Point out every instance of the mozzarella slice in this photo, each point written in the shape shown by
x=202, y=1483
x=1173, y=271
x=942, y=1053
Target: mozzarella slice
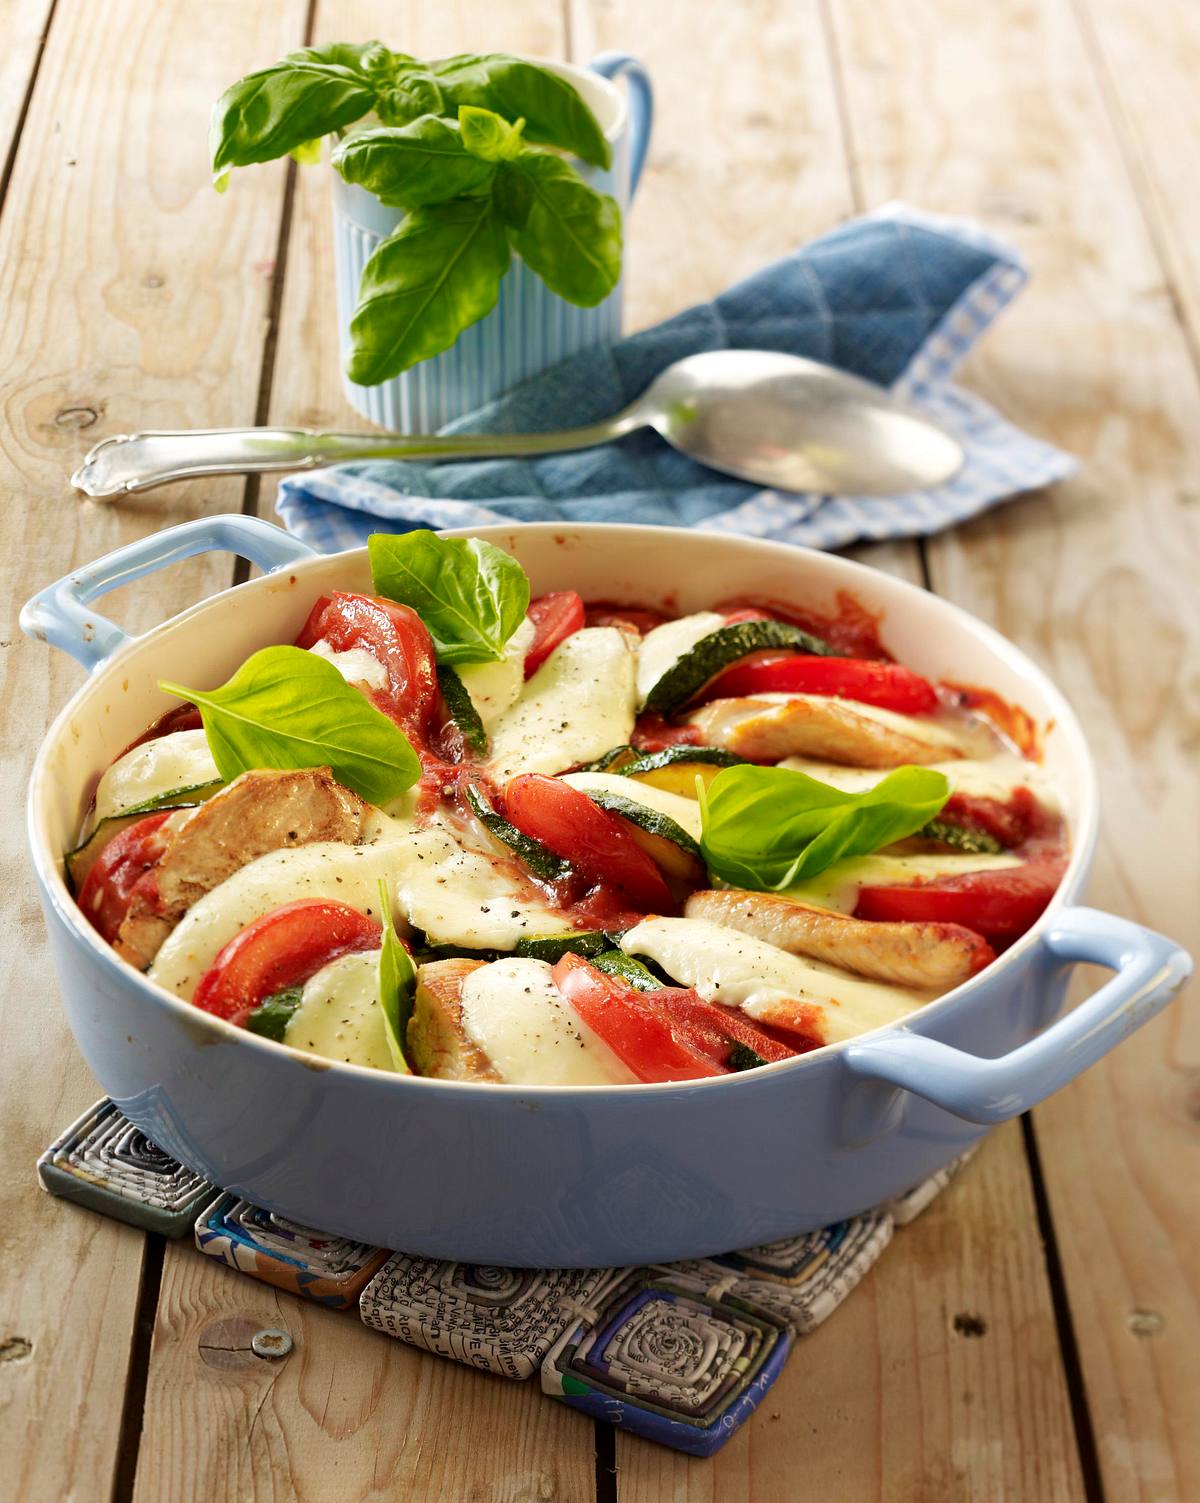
x=578, y=704
x=922, y=727
x=531, y=1035
x=180, y=760
x=339, y=1016
x=727, y=966
x=356, y=664
x=662, y=648
x=684, y=811
x=495, y=687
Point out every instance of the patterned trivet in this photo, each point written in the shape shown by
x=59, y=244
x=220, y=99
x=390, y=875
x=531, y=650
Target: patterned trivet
x=681, y=1353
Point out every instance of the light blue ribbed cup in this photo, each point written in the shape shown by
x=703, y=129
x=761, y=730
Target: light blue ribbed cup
x=530, y=327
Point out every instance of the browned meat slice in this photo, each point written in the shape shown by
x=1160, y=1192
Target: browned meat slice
x=437, y=1042
x=261, y=811
x=924, y=955
x=829, y=730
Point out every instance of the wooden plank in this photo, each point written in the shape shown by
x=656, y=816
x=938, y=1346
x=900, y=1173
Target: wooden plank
x=742, y=172
x=23, y=26
x=938, y=1379
x=350, y=1413
x=133, y=297
x=1097, y=581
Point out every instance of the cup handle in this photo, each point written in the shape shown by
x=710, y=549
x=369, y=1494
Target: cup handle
x=614, y=65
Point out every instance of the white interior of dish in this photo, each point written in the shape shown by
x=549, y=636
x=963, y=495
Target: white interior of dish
x=676, y=570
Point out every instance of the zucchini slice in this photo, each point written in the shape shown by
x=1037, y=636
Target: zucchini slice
x=551, y=947
x=79, y=861
x=973, y=842
x=626, y=968
x=667, y=843
x=613, y=760
x=711, y=655
x=676, y=768
x=540, y=860
x=271, y=1017
x=462, y=709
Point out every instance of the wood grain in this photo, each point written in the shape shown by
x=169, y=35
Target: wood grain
x=350, y=1414
x=1097, y=580
x=132, y=297
x=23, y=26
x=760, y=73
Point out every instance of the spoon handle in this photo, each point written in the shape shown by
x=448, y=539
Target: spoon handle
x=140, y=461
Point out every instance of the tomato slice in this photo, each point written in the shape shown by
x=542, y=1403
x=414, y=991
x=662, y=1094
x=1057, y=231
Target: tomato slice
x=181, y=718
x=887, y=685
x=595, y=842
x=395, y=636
x=108, y=887
x=712, y=1029
x=282, y=949
x=629, y=617
x=652, y=733
x=998, y=904
x=1011, y=821
x=555, y=617
x=636, y=1033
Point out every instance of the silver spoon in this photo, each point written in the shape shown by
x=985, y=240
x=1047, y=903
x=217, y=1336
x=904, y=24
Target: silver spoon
x=778, y=420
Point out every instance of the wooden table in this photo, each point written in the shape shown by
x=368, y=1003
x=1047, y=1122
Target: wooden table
x=1034, y=1336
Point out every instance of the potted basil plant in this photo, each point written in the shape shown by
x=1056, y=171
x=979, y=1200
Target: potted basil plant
x=478, y=206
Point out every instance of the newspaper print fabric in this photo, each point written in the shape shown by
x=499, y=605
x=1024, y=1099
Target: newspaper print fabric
x=907, y=1207
x=667, y=1361
x=503, y=1320
x=800, y=1281
x=106, y=1163
x=329, y=1270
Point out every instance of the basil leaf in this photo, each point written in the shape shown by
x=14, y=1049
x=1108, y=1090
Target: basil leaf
x=272, y=1016
x=412, y=91
x=280, y=109
x=767, y=828
x=512, y=195
x=288, y=708
x=572, y=235
x=553, y=110
x=397, y=984
x=410, y=165
x=487, y=135
x=428, y=281
x=470, y=594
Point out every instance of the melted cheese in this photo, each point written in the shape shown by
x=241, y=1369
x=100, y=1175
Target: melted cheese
x=684, y=811
x=577, y=705
x=838, y=885
x=495, y=687
x=515, y=1014
x=727, y=966
x=996, y=777
x=922, y=727
x=457, y=895
x=339, y=1016
x=180, y=760
x=662, y=648
x=356, y=664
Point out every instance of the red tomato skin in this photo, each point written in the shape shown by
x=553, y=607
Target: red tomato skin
x=124, y=861
x=555, y=617
x=281, y=949
x=641, y=1037
x=1000, y=905
x=181, y=718
x=395, y=636
x=713, y=1029
x=888, y=685
x=627, y=617
x=652, y=733
x=594, y=841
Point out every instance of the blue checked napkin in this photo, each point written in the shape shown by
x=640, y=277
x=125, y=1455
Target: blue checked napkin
x=897, y=297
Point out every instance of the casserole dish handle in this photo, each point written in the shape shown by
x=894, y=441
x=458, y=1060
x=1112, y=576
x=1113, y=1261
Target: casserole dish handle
x=59, y=614
x=1149, y=968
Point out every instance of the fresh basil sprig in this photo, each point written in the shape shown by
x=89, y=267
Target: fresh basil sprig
x=397, y=984
x=767, y=828
x=470, y=594
x=286, y=708
x=459, y=145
